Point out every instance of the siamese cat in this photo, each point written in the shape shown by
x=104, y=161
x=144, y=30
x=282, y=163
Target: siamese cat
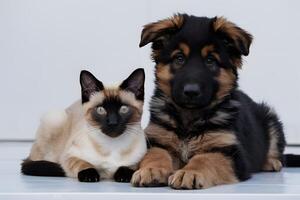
x=99, y=136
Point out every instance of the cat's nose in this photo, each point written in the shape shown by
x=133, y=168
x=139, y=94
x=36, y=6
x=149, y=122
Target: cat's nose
x=112, y=120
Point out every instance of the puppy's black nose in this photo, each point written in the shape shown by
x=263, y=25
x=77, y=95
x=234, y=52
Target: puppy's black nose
x=191, y=90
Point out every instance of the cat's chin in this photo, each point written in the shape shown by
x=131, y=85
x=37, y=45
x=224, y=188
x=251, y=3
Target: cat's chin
x=113, y=135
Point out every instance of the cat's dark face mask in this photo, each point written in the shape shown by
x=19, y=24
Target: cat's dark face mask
x=117, y=108
x=113, y=116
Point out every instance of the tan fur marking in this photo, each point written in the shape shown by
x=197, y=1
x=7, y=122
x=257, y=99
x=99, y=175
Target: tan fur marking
x=176, y=51
x=237, y=62
x=185, y=149
x=222, y=24
x=136, y=116
x=234, y=32
x=76, y=165
x=164, y=77
x=207, y=50
x=111, y=92
x=211, y=140
x=155, y=168
x=163, y=136
x=185, y=49
x=273, y=163
x=217, y=56
x=204, y=171
x=226, y=80
x=152, y=30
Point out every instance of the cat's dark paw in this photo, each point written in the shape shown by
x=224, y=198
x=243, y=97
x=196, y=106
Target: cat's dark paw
x=88, y=175
x=123, y=174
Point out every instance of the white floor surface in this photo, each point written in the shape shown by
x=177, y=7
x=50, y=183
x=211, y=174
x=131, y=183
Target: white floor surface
x=13, y=185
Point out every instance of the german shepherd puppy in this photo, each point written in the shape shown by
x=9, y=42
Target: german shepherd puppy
x=203, y=130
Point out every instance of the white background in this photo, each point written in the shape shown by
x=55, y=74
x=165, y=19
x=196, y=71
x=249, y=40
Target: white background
x=45, y=44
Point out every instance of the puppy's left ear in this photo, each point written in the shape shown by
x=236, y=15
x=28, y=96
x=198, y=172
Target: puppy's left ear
x=162, y=28
x=234, y=37
x=135, y=83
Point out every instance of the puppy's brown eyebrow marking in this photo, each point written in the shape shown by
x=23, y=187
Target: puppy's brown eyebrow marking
x=216, y=55
x=175, y=52
x=207, y=49
x=185, y=49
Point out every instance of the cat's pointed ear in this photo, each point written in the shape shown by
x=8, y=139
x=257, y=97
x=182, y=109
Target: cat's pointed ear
x=89, y=85
x=135, y=83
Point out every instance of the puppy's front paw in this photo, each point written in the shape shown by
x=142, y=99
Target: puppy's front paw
x=123, y=174
x=272, y=165
x=150, y=177
x=88, y=175
x=187, y=179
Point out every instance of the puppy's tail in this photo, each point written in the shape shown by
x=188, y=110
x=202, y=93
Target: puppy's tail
x=291, y=160
x=41, y=168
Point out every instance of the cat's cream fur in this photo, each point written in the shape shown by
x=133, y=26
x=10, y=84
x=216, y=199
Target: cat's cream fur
x=70, y=139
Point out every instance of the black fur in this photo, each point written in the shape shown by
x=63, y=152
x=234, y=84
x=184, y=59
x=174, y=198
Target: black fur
x=135, y=83
x=123, y=174
x=291, y=160
x=88, y=175
x=41, y=168
x=89, y=85
x=113, y=123
x=195, y=115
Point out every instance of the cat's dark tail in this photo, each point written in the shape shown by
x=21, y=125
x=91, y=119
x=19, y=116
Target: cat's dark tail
x=41, y=168
x=291, y=160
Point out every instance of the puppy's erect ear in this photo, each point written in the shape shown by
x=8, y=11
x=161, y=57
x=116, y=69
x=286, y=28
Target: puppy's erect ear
x=155, y=30
x=135, y=83
x=89, y=85
x=235, y=38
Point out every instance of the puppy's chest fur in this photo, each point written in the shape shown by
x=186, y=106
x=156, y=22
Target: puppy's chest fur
x=187, y=134
x=189, y=123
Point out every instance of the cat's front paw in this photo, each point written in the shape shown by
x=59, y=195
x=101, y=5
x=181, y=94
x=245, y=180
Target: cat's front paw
x=88, y=175
x=123, y=174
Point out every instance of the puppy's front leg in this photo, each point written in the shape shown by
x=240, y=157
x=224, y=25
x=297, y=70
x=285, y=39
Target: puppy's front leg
x=203, y=171
x=85, y=171
x=155, y=169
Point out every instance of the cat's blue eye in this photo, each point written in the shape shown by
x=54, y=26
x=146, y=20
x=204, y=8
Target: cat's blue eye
x=101, y=111
x=124, y=109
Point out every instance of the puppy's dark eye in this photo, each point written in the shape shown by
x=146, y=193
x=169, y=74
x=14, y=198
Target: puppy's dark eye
x=210, y=60
x=179, y=59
